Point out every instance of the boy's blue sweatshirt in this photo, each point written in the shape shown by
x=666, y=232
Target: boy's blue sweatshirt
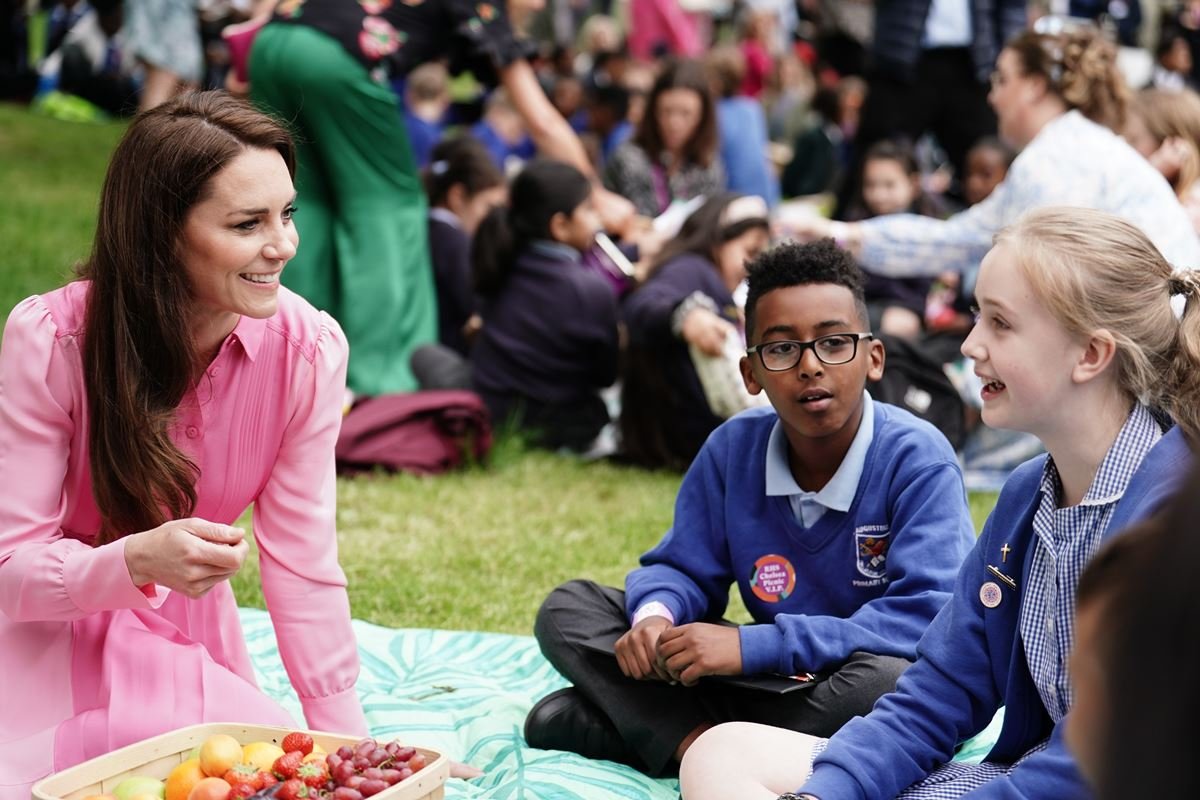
x=972, y=661
x=869, y=579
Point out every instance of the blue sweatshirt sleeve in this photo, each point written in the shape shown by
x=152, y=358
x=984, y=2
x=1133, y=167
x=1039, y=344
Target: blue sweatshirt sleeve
x=689, y=570
x=932, y=534
x=948, y=695
x=1049, y=773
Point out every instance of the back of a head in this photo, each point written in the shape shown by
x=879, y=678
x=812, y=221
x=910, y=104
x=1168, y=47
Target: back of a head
x=1080, y=67
x=1154, y=635
x=792, y=264
x=1095, y=271
x=727, y=69
x=428, y=82
x=461, y=160
x=543, y=188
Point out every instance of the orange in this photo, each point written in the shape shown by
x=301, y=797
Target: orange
x=183, y=778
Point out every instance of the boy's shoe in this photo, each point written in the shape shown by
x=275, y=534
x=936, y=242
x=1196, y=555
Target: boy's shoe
x=566, y=720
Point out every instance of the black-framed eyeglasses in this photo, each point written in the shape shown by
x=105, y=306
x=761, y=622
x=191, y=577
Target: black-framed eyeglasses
x=785, y=354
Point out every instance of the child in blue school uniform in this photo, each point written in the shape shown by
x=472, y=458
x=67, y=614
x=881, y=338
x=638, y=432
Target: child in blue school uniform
x=1075, y=335
x=842, y=521
x=548, y=341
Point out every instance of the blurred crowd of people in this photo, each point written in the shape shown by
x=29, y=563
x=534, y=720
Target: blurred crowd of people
x=722, y=124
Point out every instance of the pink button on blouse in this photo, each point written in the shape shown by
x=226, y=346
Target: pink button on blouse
x=88, y=661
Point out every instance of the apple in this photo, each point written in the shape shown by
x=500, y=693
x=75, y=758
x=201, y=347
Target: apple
x=139, y=784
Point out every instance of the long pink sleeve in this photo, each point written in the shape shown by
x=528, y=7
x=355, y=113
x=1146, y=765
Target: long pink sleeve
x=295, y=529
x=44, y=575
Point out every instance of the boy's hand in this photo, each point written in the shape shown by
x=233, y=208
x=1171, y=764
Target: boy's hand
x=700, y=648
x=637, y=650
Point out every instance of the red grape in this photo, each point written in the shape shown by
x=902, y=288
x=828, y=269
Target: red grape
x=405, y=753
x=373, y=774
x=345, y=752
x=344, y=793
x=343, y=772
x=354, y=782
x=417, y=762
x=332, y=760
x=392, y=776
x=370, y=788
x=360, y=763
x=405, y=773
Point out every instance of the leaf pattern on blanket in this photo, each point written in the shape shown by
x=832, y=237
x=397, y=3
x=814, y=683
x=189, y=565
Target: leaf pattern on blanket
x=466, y=694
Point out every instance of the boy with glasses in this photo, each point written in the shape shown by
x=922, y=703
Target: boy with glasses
x=842, y=521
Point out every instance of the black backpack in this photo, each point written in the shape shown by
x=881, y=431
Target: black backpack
x=914, y=381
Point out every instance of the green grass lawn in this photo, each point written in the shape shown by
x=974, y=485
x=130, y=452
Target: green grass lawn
x=476, y=550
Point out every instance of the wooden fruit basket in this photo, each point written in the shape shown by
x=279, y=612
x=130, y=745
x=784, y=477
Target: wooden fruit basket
x=157, y=756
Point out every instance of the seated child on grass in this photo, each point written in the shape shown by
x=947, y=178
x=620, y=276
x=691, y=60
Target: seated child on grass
x=841, y=520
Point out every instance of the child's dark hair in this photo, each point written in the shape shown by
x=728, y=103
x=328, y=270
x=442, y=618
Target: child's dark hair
x=996, y=145
x=611, y=96
x=792, y=264
x=893, y=150
x=542, y=189
x=702, y=232
x=460, y=160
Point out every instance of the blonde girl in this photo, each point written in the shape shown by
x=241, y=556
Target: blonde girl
x=1165, y=128
x=1077, y=343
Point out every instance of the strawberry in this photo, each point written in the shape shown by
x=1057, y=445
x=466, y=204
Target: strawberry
x=245, y=773
x=286, y=765
x=313, y=773
x=241, y=790
x=293, y=789
x=297, y=741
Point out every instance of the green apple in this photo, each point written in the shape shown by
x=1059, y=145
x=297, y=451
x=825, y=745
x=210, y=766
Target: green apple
x=139, y=784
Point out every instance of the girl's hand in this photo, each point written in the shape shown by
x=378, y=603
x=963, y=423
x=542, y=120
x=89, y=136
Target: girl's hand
x=189, y=556
x=706, y=331
x=1169, y=158
x=464, y=771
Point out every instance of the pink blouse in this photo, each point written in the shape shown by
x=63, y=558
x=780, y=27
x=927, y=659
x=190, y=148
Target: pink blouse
x=89, y=660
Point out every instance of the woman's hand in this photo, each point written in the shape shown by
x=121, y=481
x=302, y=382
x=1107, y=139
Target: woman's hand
x=706, y=331
x=189, y=556
x=464, y=771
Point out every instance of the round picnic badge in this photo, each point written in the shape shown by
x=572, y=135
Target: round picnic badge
x=774, y=579
x=990, y=594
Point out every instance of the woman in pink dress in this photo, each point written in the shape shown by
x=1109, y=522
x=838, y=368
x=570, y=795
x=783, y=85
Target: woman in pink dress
x=143, y=407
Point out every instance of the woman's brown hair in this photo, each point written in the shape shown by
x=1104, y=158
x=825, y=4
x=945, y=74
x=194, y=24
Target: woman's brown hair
x=1080, y=67
x=681, y=74
x=138, y=355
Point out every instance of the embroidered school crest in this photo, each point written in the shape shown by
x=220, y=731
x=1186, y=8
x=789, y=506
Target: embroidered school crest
x=774, y=579
x=871, y=544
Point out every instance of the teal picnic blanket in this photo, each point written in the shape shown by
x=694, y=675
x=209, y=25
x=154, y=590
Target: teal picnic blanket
x=466, y=694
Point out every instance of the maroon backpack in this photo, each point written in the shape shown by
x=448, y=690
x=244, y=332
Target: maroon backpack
x=425, y=432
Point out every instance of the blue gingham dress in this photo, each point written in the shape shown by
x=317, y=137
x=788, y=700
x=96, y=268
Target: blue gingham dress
x=1064, y=540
